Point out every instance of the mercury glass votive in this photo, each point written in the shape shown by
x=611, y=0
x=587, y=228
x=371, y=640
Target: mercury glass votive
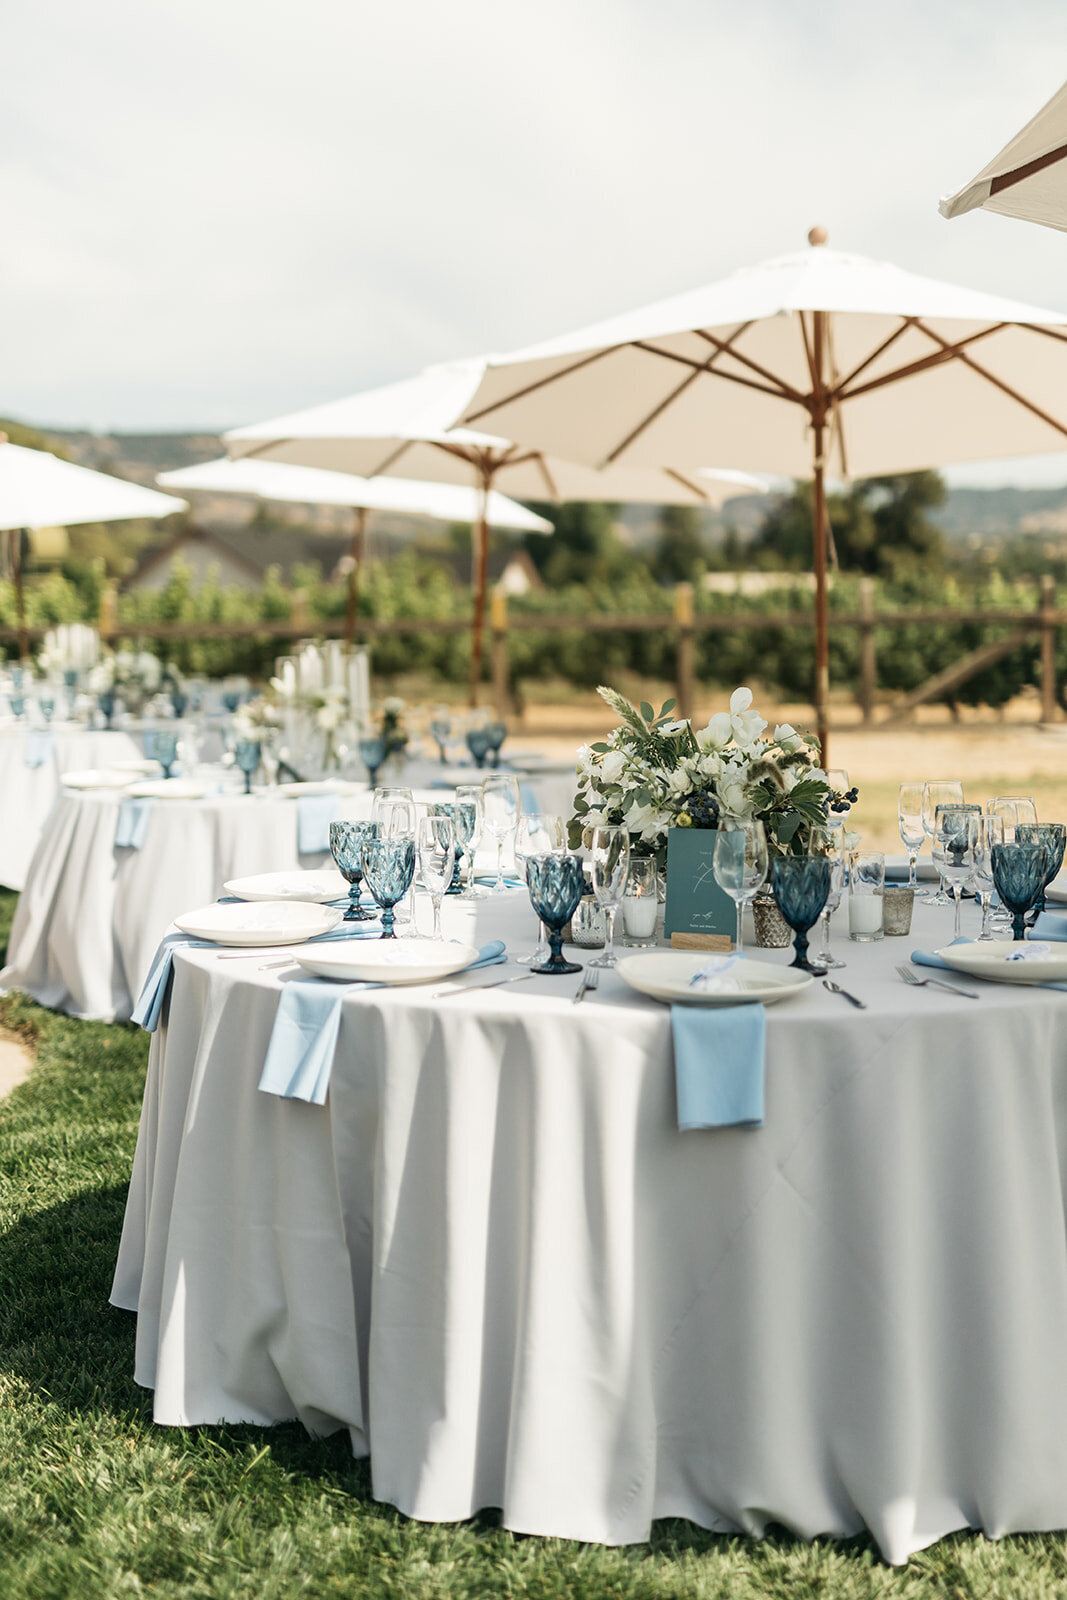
x=898, y=900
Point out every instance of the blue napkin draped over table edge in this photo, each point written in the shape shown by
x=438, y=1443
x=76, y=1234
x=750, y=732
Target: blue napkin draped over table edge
x=149, y=1007
x=927, y=958
x=132, y=823
x=303, y=1039
x=40, y=743
x=314, y=813
x=719, y=1055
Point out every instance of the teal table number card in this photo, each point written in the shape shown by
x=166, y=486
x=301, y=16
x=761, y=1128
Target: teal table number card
x=698, y=914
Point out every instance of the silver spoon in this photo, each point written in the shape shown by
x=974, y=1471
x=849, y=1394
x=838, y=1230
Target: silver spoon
x=835, y=988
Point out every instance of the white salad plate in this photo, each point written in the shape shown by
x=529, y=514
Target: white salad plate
x=267, y=922
x=92, y=778
x=314, y=887
x=169, y=789
x=293, y=791
x=665, y=975
x=992, y=960
x=143, y=768
x=388, y=960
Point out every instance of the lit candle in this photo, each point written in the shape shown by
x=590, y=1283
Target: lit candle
x=639, y=914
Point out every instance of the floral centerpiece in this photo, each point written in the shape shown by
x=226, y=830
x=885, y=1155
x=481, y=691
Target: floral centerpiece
x=257, y=719
x=133, y=676
x=656, y=772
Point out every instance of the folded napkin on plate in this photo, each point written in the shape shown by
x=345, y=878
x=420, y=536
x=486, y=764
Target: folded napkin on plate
x=132, y=824
x=314, y=813
x=718, y=1065
x=304, y=1037
x=149, y=1007
x=928, y=958
x=39, y=746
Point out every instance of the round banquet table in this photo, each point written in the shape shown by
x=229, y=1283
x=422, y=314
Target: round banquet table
x=492, y=1257
x=30, y=791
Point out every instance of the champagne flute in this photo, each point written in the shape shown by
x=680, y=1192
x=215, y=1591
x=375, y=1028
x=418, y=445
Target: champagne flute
x=609, y=856
x=741, y=862
x=826, y=841
x=539, y=833
x=469, y=831
x=990, y=832
x=910, y=822
x=436, y=840
x=938, y=792
x=501, y=809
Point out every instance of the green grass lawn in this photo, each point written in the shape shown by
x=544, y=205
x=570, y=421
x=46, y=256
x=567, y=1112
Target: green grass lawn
x=96, y=1502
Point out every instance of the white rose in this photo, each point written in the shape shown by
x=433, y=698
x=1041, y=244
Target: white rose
x=613, y=766
x=717, y=733
x=679, y=782
x=734, y=798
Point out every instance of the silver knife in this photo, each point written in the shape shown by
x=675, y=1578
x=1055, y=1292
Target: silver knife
x=476, y=988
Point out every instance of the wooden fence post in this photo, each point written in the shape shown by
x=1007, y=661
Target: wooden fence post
x=686, y=656
x=1049, y=698
x=498, y=650
x=298, y=610
x=868, y=661
x=109, y=612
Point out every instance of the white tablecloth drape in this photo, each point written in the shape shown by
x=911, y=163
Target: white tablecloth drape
x=27, y=793
x=494, y=1259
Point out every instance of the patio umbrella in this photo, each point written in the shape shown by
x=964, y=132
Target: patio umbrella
x=404, y=430
x=270, y=480
x=1028, y=178
x=811, y=364
x=38, y=490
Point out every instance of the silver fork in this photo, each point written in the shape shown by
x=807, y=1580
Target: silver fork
x=590, y=979
x=921, y=983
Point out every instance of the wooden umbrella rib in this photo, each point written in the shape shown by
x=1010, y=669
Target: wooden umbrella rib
x=998, y=383
x=694, y=488
x=647, y=421
x=843, y=383
x=542, y=466
x=786, y=389
x=540, y=383
x=1059, y=334
x=698, y=367
x=809, y=354
x=946, y=352
x=1008, y=180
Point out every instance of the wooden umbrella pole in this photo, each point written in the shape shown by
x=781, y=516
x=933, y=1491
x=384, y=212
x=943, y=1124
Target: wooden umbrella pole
x=822, y=613
x=358, y=552
x=481, y=584
x=20, y=594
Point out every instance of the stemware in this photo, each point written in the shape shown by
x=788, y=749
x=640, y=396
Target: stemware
x=165, y=751
x=740, y=860
x=388, y=867
x=1053, y=835
x=441, y=732
x=496, y=733
x=826, y=841
x=937, y=792
x=955, y=847
x=437, y=857
x=556, y=883
x=347, y=840
x=479, y=743
x=1019, y=872
x=445, y=808
x=46, y=704
x=469, y=831
x=393, y=809
x=538, y=833
x=910, y=823
x=837, y=778
x=501, y=808
x=17, y=702
x=609, y=858
x=801, y=885
x=990, y=832
x=372, y=752
x=1012, y=808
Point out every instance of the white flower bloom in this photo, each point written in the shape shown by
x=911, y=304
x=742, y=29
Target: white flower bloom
x=679, y=782
x=740, y=701
x=394, y=705
x=788, y=737
x=613, y=766
x=717, y=733
x=734, y=798
x=670, y=728
x=747, y=726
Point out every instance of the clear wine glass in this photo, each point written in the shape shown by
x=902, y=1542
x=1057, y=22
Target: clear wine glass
x=501, y=809
x=741, y=861
x=938, y=792
x=436, y=840
x=827, y=841
x=955, y=845
x=469, y=831
x=837, y=778
x=910, y=823
x=1013, y=808
x=990, y=832
x=609, y=859
x=539, y=833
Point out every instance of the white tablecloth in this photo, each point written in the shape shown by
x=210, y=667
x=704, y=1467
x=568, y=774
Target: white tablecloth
x=493, y=1258
x=27, y=793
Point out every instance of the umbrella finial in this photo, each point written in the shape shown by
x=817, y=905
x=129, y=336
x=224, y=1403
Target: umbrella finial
x=817, y=236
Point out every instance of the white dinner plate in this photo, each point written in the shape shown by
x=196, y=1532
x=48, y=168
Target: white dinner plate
x=665, y=974
x=169, y=789
x=143, y=768
x=388, y=960
x=293, y=791
x=91, y=778
x=267, y=922
x=990, y=960
x=314, y=887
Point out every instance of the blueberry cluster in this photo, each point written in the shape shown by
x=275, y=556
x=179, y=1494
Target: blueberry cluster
x=703, y=808
x=845, y=801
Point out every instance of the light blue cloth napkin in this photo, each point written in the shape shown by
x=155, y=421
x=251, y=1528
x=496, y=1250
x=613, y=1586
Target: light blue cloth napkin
x=927, y=958
x=39, y=746
x=718, y=1065
x=132, y=823
x=304, y=1037
x=315, y=812
x=1050, y=925
x=925, y=871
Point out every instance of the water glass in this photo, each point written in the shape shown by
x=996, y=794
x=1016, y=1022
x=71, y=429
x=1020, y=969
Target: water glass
x=441, y=732
x=46, y=704
x=388, y=867
x=165, y=751
x=372, y=752
x=910, y=823
x=955, y=848
x=393, y=809
x=1053, y=836
x=437, y=858
x=866, y=883
x=740, y=860
x=1012, y=808
x=640, y=903
x=347, y=840
x=247, y=753
x=479, y=743
x=538, y=833
x=555, y=883
x=1019, y=873
x=990, y=832
x=609, y=859
x=469, y=831
x=826, y=842
x=501, y=808
x=496, y=733
x=801, y=885
x=938, y=792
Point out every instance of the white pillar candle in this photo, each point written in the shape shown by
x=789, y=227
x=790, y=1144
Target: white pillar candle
x=639, y=913
x=864, y=914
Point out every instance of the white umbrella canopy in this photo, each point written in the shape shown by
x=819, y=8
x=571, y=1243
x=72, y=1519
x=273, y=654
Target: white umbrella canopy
x=1028, y=178
x=406, y=430
x=38, y=490
x=813, y=363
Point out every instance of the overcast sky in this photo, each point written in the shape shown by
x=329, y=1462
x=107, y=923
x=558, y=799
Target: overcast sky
x=218, y=210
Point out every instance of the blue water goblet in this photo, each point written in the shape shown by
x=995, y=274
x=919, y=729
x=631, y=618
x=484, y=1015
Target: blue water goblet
x=165, y=751
x=388, y=867
x=556, y=883
x=106, y=702
x=1020, y=872
x=247, y=753
x=18, y=675
x=372, y=752
x=1053, y=835
x=17, y=702
x=479, y=744
x=231, y=699
x=179, y=703
x=440, y=733
x=442, y=808
x=347, y=842
x=801, y=887
x=496, y=733
x=47, y=703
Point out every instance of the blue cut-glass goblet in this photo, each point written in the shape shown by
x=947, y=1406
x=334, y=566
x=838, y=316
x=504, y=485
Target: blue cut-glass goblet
x=231, y=699
x=1019, y=875
x=372, y=752
x=179, y=702
x=479, y=743
x=47, y=703
x=17, y=702
x=247, y=753
x=1053, y=835
x=165, y=751
x=440, y=731
x=556, y=884
x=496, y=733
x=801, y=886
x=106, y=702
x=388, y=867
x=347, y=842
